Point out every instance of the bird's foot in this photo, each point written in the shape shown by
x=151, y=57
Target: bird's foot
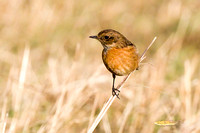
x=115, y=92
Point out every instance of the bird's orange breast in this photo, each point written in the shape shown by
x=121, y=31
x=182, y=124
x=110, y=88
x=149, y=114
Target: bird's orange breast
x=121, y=61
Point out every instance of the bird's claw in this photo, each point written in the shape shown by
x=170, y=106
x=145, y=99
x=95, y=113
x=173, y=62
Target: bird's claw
x=115, y=92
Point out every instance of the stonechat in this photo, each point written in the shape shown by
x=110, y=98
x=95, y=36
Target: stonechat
x=119, y=55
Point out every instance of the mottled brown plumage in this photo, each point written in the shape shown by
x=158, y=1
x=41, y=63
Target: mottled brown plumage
x=119, y=55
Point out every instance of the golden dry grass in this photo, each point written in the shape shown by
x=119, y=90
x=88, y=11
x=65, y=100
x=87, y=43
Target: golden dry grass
x=52, y=78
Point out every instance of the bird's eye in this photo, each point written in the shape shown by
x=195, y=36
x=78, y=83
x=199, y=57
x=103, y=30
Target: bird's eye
x=106, y=37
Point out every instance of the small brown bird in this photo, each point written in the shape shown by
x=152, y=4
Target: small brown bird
x=119, y=55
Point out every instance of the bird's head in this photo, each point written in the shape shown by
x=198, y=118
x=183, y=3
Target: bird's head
x=111, y=38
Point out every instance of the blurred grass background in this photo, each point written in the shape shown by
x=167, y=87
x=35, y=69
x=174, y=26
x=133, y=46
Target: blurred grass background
x=52, y=78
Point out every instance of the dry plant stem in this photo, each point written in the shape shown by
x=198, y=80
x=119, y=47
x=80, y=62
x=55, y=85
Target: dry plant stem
x=112, y=98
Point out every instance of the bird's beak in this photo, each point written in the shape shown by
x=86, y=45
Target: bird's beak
x=94, y=37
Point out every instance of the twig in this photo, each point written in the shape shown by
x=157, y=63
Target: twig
x=143, y=54
x=112, y=98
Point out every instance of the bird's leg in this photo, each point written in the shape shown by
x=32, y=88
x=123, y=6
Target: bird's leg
x=114, y=90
